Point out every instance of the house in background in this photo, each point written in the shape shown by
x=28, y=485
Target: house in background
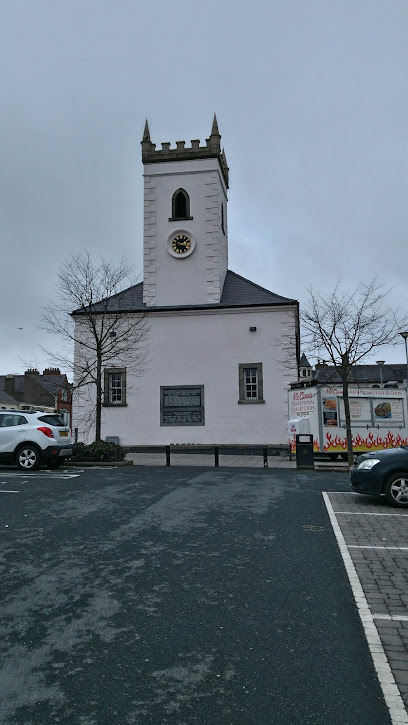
x=51, y=389
x=221, y=349
x=393, y=375
x=373, y=376
x=305, y=368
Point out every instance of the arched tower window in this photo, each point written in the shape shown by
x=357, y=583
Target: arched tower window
x=180, y=205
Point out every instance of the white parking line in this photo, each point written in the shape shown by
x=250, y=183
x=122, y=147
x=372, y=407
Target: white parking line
x=365, y=513
x=392, y=697
x=397, y=548
x=30, y=476
x=392, y=617
x=9, y=491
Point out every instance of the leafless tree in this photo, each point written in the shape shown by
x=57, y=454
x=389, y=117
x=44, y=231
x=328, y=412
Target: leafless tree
x=90, y=313
x=346, y=326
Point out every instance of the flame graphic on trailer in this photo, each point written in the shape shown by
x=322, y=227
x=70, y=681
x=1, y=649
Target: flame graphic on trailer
x=379, y=418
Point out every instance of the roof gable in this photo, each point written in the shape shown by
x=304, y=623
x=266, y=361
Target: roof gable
x=304, y=362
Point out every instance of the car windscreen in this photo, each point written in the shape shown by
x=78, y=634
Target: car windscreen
x=55, y=420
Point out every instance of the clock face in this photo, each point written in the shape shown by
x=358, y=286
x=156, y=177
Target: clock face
x=181, y=244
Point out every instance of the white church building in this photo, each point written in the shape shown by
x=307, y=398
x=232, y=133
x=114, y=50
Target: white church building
x=221, y=350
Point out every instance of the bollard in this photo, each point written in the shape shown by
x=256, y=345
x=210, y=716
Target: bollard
x=265, y=457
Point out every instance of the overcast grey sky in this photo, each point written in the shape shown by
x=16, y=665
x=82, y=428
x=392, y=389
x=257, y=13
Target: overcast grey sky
x=312, y=105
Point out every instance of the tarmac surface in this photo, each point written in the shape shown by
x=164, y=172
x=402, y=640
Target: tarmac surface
x=172, y=596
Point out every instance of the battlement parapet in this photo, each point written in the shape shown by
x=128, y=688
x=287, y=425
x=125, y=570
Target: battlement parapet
x=180, y=152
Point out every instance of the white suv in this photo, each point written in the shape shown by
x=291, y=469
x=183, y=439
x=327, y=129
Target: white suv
x=31, y=437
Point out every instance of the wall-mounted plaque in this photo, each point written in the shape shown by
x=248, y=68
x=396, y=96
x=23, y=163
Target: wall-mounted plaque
x=178, y=398
x=182, y=405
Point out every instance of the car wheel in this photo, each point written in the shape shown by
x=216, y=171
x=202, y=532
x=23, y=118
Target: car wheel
x=28, y=458
x=396, y=489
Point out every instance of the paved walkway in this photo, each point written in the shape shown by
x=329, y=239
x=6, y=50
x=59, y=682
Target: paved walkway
x=373, y=539
x=227, y=461
x=207, y=459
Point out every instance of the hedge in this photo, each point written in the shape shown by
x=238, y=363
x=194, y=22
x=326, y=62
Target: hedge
x=98, y=452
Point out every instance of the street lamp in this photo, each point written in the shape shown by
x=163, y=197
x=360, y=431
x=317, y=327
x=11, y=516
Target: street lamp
x=405, y=336
x=381, y=363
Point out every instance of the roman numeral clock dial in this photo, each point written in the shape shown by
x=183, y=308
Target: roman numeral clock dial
x=180, y=245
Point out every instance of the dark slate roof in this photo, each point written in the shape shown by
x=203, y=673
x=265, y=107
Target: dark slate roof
x=364, y=374
x=241, y=292
x=304, y=362
x=6, y=398
x=18, y=383
x=53, y=383
x=237, y=292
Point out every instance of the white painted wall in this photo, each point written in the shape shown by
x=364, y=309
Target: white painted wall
x=205, y=348
x=197, y=279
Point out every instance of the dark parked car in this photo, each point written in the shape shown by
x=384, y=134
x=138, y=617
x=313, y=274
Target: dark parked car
x=383, y=472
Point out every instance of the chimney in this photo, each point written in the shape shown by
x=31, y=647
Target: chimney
x=32, y=388
x=52, y=371
x=9, y=385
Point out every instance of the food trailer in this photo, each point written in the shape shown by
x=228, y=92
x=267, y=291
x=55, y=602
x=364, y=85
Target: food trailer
x=379, y=418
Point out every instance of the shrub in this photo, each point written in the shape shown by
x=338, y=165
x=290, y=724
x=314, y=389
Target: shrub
x=98, y=452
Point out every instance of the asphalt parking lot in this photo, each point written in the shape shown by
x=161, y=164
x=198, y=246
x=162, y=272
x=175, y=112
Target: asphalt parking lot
x=192, y=595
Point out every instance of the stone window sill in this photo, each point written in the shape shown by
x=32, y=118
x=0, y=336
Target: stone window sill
x=114, y=405
x=180, y=219
x=250, y=402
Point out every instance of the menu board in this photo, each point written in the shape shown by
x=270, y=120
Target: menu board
x=330, y=413
x=383, y=412
x=388, y=412
x=360, y=411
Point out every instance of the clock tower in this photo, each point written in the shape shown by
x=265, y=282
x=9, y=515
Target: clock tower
x=185, y=236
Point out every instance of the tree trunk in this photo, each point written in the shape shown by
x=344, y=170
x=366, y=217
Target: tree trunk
x=350, y=456
x=98, y=412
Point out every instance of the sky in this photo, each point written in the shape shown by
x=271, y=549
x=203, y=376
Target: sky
x=312, y=105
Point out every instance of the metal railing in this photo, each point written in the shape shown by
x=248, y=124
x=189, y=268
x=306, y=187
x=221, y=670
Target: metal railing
x=215, y=450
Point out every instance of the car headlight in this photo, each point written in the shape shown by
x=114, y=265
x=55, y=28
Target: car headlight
x=368, y=464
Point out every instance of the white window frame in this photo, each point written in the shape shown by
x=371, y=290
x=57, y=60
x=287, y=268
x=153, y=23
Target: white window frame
x=115, y=395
